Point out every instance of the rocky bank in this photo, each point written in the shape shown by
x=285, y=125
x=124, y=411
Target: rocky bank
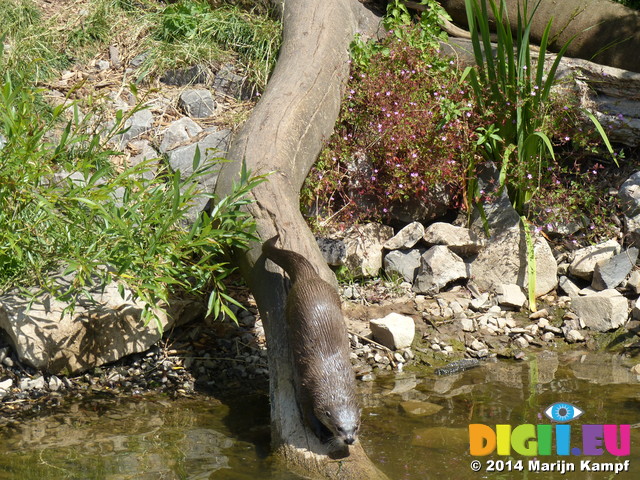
x=457, y=296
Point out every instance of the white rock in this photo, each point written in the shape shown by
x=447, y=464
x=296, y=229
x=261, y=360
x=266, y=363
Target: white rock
x=521, y=342
x=635, y=311
x=574, y=336
x=585, y=260
x=602, y=311
x=407, y=237
x=511, y=296
x=178, y=132
x=438, y=267
x=51, y=341
x=634, y=281
x=364, y=248
x=459, y=239
x=504, y=261
x=394, y=331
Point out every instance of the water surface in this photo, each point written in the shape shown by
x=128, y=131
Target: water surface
x=415, y=426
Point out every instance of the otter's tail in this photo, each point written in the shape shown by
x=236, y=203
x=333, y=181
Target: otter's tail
x=293, y=263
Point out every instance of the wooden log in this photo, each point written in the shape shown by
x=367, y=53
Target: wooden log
x=605, y=32
x=283, y=135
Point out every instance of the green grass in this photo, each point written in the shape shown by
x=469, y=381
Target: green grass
x=27, y=47
x=171, y=36
x=189, y=31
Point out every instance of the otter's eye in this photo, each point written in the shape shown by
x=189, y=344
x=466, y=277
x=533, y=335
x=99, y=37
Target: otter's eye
x=340, y=429
x=327, y=413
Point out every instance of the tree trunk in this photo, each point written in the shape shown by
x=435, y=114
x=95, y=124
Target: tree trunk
x=284, y=135
x=606, y=32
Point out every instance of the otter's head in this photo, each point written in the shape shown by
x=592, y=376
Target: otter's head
x=342, y=420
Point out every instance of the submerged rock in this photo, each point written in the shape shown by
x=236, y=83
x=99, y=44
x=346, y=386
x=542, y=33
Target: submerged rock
x=458, y=366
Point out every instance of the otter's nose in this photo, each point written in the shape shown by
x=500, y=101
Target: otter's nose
x=350, y=440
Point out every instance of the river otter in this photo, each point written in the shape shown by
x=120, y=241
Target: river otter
x=323, y=376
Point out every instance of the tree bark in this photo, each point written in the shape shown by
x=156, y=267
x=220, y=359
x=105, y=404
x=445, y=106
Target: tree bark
x=606, y=32
x=283, y=136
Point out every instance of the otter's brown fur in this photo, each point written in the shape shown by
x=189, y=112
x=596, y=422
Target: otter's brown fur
x=324, y=378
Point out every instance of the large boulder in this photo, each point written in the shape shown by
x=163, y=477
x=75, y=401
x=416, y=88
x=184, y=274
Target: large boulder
x=364, y=248
x=439, y=266
x=504, y=260
x=602, y=311
x=48, y=337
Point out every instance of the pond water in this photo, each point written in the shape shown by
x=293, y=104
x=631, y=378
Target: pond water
x=415, y=426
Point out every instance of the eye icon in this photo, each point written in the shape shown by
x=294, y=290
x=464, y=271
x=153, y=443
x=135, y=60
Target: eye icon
x=562, y=412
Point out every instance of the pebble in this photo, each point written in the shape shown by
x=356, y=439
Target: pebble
x=521, y=342
x=467, y=325
x=551, y=328
x=543, y=323
x=408, y=354
x=539, y=314
x=573, y=336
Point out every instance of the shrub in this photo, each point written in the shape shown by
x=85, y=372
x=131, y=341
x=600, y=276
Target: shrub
x=406, y=127
x=66, y=212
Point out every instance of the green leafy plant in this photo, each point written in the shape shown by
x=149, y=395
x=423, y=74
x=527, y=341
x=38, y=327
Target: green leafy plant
x=398, y=21
x=67, y=214
x=517, y=91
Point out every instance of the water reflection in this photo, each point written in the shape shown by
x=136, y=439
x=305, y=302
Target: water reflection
x=415, y=426
x=413, y=446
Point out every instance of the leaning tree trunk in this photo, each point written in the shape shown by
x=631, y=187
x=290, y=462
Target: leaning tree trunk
x=605, y=32
x=284, y=135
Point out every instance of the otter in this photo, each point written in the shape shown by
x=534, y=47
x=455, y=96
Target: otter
x=323, y=377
